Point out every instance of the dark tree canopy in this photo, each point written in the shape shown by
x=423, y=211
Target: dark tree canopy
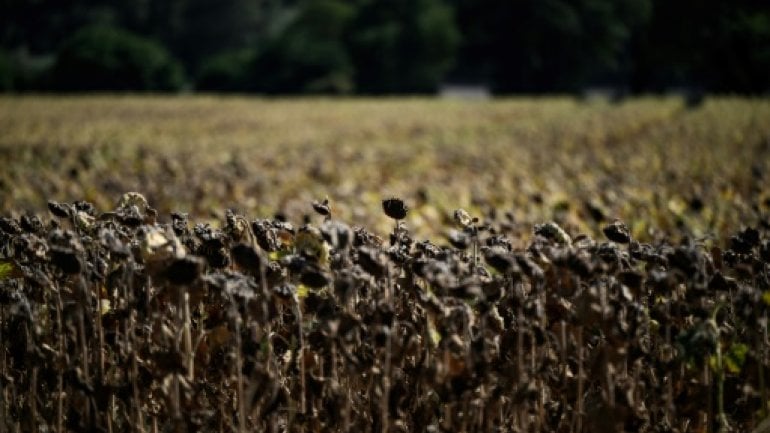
x=396, y=46
x=309, y=54
x=402, y=45
x=547, y=45
x=105, y=58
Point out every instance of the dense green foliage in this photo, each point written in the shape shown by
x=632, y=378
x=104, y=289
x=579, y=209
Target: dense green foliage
x=551, y=45
x=399, y=46
x=103, y=58
x=403, y=45
x=6, y=72
x=309, y=54
x=720, y=46
x=226, y=72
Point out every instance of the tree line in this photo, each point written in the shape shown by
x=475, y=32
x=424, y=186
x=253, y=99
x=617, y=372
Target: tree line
x=384, y=46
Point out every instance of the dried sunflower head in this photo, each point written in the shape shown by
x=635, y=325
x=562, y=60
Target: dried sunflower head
x=323, y=208
x=157, y=245
x=61, y=210
x=395, y=208
x=617, y=232
x=553, y=232
x=309, y=242
x=463, y=219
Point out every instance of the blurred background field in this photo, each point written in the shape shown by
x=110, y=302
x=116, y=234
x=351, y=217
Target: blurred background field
x=365, y=122
x=652, y=162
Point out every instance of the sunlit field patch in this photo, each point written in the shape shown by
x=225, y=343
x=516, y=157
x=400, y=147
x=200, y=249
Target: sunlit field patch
x=649, y=161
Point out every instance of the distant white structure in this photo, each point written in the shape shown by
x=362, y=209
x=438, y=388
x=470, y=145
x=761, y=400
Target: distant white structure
x=475, y=92
x=603, y=93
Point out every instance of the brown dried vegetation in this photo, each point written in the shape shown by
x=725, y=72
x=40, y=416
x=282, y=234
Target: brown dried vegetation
x=531, y=309
x=115, y=322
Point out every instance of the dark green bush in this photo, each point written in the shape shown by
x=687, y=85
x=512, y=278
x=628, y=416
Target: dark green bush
x=227, y=72
x=6, y=72
x=103, y=58
x=309, y=54
x=402, y=46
